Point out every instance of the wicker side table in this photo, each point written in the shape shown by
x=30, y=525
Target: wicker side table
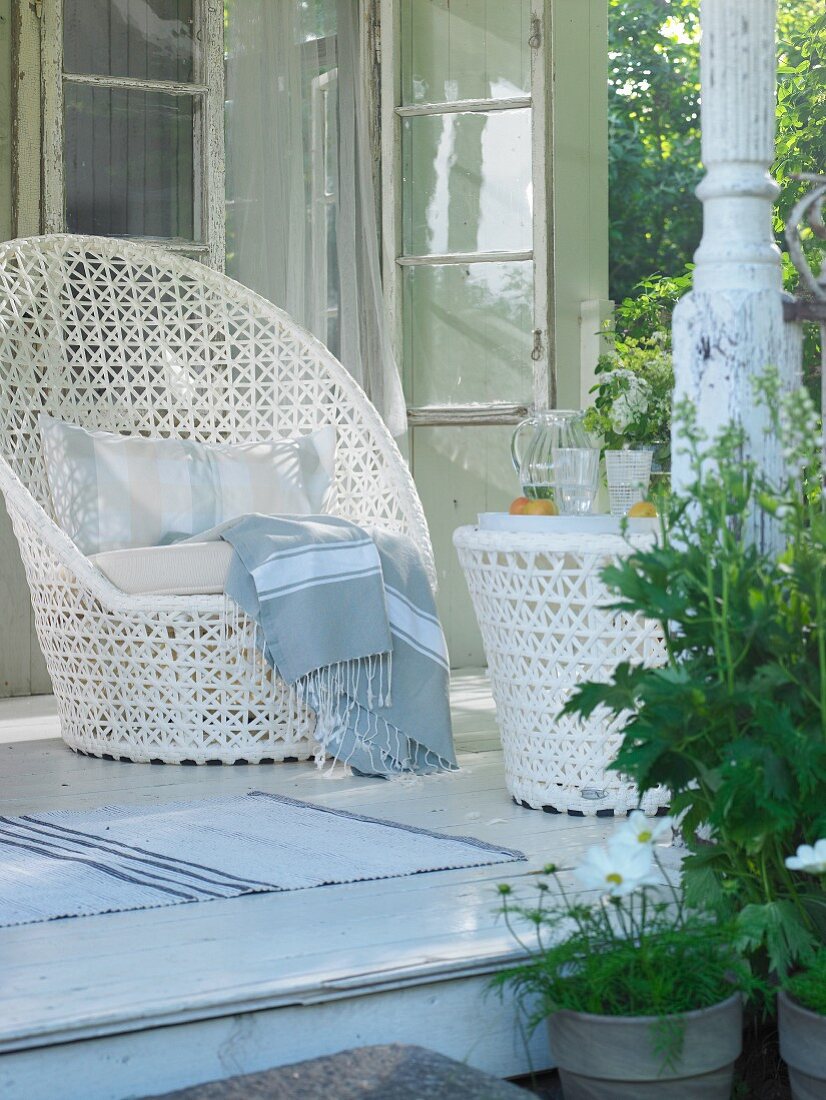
x=539, y=602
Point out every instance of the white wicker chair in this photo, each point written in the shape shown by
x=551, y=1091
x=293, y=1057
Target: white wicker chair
x=121, y=336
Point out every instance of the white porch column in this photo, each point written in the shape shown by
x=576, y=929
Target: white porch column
x=731, y=327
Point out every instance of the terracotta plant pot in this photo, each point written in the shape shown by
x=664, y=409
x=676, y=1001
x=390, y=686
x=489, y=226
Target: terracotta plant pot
x=612, y=1058
x=803, y=1048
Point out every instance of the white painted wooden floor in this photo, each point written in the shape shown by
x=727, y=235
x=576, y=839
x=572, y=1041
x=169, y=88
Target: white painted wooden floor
x=133, y=1004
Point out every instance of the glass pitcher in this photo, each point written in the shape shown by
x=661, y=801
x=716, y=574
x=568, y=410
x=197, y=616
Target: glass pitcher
x=555, y=460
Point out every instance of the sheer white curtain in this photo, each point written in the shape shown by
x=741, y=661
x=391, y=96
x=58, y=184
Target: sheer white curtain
x=301, y=214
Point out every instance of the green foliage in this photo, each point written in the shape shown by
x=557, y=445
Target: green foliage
x=632, y=956
x=654, y=119
x=635, y=383
x=647, y=312
x=801, y=102
x=633, y=398
x=735, y=722
x=662, y=972
x=809, y=986
x=801, y=138
x=654, y=146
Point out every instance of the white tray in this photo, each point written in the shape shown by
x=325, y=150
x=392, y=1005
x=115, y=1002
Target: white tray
x=565, y=525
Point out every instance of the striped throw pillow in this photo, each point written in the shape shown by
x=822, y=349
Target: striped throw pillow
x=112, y=492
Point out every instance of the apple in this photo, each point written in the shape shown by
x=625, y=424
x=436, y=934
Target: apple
x=540, y=508
x=642, y=509
x=518, y=506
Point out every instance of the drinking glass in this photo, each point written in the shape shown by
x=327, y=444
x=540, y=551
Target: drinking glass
x=576, y=478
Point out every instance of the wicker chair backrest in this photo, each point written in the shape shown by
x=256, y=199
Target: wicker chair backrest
x=122, y=336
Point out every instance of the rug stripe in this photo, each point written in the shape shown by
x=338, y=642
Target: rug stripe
x=169, y=863
x=97, y=866
x=55, y=848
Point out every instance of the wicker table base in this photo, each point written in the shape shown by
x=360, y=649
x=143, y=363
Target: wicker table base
x=539, y=601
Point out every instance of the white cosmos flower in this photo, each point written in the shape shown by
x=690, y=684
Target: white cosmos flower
x=809, y=858
x=618, y=871
x=639, y=829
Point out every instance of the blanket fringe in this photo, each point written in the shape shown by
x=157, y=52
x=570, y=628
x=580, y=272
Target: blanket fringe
x=390, y=752
x=343, y=725
x=332, y=692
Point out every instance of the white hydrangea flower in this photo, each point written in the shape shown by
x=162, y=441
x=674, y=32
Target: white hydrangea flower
x=810, y=858
x=631, y=401
x=618, y=870
x=621, y=415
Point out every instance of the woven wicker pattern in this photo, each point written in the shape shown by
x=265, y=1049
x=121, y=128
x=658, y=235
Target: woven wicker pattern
x=538, y=599
x=120, y=336
x=629, y=475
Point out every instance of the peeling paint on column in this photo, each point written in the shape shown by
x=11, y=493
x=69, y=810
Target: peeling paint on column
x=731, y=327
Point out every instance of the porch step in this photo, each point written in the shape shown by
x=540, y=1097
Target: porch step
x=392, y=1072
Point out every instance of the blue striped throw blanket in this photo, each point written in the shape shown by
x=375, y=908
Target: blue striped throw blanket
x=348, y=618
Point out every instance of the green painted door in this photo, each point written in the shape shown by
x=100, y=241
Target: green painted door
x=466, y=262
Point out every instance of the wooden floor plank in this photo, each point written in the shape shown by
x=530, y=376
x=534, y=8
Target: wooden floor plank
x=84, y=985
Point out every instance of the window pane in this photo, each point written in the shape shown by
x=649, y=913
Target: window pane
x=146, y=39
x=468, y=332
x=129, y=163
x=464, y=49
x=467, y=182
x=316, y=19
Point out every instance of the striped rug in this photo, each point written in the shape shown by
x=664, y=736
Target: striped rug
x=78, y=863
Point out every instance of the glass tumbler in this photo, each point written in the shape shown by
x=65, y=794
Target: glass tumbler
x=576, y=479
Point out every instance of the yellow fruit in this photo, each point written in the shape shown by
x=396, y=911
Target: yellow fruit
x=643, y=509
x=518, y=506
x=540, y=508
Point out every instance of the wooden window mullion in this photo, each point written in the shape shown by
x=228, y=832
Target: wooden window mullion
x=206, y=92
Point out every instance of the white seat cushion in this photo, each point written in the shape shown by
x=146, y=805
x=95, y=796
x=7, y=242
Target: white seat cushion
x=183, y=569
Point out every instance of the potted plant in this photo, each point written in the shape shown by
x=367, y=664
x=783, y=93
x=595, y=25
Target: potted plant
x=801, y=1004
x=631, y=413
x=642, y=997
x=734, y=723
x=639, y=334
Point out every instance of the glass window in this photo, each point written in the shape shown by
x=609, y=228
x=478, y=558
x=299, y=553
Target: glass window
x=129, y=163
x=468, y=179
x=468, y=332
x=144, y=39
x=464, y=49
x=133, y=121
x=316, y=19
x=466, y=196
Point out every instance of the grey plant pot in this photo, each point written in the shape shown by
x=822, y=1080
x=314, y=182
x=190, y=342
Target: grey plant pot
x=803, y=1048
x=611, y=1057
